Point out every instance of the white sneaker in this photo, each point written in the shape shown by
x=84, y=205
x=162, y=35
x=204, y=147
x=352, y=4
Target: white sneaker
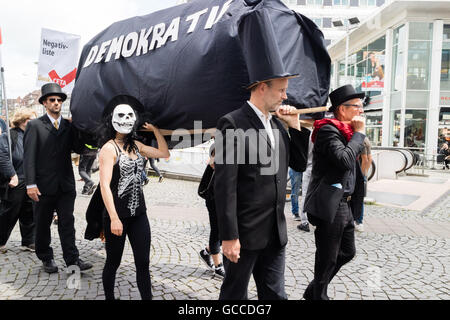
x=359, y=227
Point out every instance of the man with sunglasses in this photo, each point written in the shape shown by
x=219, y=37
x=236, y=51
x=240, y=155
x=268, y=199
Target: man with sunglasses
x=336, y=191
x=48, y=143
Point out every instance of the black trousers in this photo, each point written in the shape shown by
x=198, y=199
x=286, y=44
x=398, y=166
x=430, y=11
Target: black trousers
x=335, y=246
x=214, y=240
x=63, y=203
x=266, y=265
x=138, y=231
x=17, y=207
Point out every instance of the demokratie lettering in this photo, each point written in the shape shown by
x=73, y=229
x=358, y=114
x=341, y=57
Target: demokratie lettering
x=141, y=42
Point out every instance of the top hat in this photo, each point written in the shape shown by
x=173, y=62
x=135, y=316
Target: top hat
x=51, y=89
x=343, y=94
x=123, y=99
x=260, y=48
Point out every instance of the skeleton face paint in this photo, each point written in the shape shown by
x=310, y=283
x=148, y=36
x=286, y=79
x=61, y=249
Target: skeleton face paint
x=123, y=119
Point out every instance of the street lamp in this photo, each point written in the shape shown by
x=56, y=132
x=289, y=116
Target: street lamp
x=352, y=23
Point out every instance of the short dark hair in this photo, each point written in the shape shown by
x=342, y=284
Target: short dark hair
x=269, y=84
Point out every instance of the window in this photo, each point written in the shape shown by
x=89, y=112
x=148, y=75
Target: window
x=398, y=58
x=367, y=3
x=445, y=62
x=326, y=22
x=415, y=128
x=374, y=127
x=394, y=139
x=419, y=56
x=315, y=2
x=446, y=32
x=340, y=2
x=317, y=21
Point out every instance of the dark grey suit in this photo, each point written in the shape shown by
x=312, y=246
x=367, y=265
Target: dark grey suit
x=250, y=200
x=48, y=164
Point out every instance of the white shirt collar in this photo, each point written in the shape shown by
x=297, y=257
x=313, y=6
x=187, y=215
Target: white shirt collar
x=259, y=113
x=53, y=119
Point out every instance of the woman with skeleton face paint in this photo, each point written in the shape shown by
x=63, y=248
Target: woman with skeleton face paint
x=121, y=162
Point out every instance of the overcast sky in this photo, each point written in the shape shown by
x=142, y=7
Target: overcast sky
x=21, y=22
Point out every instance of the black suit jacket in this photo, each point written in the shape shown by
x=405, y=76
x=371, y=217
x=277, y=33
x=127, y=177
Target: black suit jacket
x=250, y=193
x=47, y=155
x=333, y=160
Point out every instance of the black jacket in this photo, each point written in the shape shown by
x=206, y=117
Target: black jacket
x=333, y=160
x=47, y=155
x=250, y=204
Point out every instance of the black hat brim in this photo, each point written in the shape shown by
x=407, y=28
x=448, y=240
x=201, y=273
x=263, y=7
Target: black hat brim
x=359, y=95
x=285, y=76
x=63, y=96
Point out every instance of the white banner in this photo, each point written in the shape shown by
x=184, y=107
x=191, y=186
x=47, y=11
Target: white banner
x=58, y=59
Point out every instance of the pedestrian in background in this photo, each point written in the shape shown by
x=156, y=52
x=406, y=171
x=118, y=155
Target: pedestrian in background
x=304, y=224
x=15, y=204
x=365, y=162
x=296, y=184
x=211, y=254
x=87, y=158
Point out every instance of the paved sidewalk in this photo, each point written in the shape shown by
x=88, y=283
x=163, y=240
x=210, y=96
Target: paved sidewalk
x=403, y=254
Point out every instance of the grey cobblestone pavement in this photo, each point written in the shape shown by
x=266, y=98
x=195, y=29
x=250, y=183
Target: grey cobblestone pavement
x=402, y=255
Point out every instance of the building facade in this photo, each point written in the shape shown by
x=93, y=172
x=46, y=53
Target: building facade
x=400, y=57
x=324, y=12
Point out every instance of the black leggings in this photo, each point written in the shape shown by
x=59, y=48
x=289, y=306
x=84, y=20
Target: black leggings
x=138, y=231
x=214, y=240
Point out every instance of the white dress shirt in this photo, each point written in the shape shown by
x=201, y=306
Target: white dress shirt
x=266, y=123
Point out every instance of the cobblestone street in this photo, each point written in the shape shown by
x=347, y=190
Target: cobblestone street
x=401, y=255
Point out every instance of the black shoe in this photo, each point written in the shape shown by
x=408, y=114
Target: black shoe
x=207, y=259
x=30, y=247
x=303, y=227
x=50, y=266
x=308, y=294
x=82, y=265
x=219, y=271
x=88, y=189
x=91, y=190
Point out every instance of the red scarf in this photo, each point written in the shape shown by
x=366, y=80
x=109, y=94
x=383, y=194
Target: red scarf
x=345, y=129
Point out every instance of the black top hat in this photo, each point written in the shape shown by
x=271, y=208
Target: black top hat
x=260, y=48
x=342, y=94
x=51, y=89
x=123, y=99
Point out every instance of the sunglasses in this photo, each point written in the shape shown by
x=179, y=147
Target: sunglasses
x=354, y=105
x=54, y=99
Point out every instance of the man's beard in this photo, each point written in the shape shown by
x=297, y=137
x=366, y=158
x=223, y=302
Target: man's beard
x=56, y=113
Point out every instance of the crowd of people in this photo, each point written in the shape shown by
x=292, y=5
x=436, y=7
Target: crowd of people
x=245, y=197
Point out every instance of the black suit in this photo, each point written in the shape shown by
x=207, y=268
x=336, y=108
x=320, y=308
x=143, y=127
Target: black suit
x=334, y=163
x=250, y=198
x=48, y=164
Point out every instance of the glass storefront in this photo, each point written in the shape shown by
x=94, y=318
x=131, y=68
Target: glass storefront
x=394, y=139
x=374, y=127
x=366, y=67
x=415, y=128
x=410, y=93
x=398, y=53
